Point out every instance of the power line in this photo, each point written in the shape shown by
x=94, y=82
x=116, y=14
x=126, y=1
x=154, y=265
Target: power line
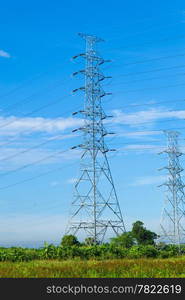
x=151, y=104
x=27, y=81
x=32, y=164
x=151, y=88
x=151, y=71
x=30, y=149
x=51, y=103
x=139, y=21
x=33, y=177
x=23, y=132
x=148, y=79
x=39, y=175
x=29, y=98
x=140, y=149
x=151, y=42
x=152, y=59
x=155, y=120
x=160, y=121
x=153, y=26
x=22, y=85
x=161, y=130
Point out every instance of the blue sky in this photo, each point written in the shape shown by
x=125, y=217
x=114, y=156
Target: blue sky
x=146, y=43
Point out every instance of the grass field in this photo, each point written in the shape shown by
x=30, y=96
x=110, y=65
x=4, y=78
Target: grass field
x=124, y=268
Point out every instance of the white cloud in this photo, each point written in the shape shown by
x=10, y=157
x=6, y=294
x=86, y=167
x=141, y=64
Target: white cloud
x=4, y=54
x=62, y=137
x=16, y=125
x=143, y=116
x=18, y=130
x=143, y=148
x=149, y=180
x=137, y=133
x=135, y=146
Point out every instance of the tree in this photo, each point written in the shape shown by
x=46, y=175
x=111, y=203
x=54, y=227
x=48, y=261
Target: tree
x=69, y=240
x=142, y=235
x=125, y=240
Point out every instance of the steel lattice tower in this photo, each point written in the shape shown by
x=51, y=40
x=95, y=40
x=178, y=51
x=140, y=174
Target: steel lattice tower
x=95, y=208
x=173, y=217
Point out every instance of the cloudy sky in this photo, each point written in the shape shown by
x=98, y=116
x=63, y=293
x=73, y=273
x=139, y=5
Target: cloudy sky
x=146, y=44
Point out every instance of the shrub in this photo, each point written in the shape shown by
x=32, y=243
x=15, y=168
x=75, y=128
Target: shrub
x=149, y=251
x=135, y=252
x=164, y=254
x=49, y=251
x=173, y=249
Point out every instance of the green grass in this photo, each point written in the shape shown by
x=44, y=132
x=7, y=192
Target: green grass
x=124, y=268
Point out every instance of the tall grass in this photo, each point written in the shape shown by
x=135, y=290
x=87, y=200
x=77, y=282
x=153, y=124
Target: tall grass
x=77, y=268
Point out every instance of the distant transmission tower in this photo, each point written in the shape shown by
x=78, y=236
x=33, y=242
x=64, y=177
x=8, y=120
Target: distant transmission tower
x=173, y=218
x=95, y=208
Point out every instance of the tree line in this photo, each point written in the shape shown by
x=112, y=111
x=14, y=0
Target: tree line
x=137, y=243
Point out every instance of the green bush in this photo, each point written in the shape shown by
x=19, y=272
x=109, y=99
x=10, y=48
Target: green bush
x=164, y=254
x=149, y=251
x=173, y=249
x=135, y=252
x=49, y=251
x=98, y=252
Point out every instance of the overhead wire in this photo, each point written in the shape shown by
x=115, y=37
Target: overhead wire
x=151, y=71
x=38, y=176
x=152, y=103
x=151, y=88
x=33, y=164
x=148, y=79
x=28, y=99
x=49, y=104
x=50, y=140
x=149, y=27
x=149, y=42
x=149, y=60
x=34, y=177
x=24, y=132
x=68, y=150
x=27, y=81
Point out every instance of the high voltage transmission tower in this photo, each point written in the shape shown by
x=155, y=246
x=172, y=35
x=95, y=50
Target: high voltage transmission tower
x=173, y=217
x=95, y=208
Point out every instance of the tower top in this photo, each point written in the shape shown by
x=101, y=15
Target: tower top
x=90, y=37
x=172, y=133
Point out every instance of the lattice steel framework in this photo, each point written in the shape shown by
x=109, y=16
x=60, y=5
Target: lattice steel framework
x=173, y=217
x=95, y=208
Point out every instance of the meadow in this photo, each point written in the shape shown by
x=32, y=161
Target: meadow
x=77, y=268
x=83, y=261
